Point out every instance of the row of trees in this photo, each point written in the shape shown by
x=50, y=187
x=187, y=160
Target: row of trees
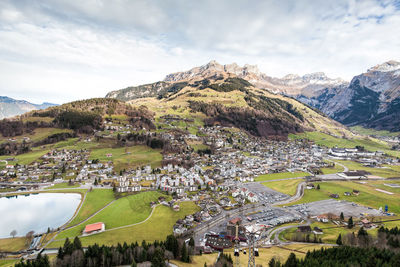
x=73, y=255
x=386, y=238
x=342, y=256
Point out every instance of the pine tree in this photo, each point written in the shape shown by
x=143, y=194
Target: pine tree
x=77, y=243
x=339, y=240
x=350, y=223
x=191, y=242
x=291, y=261
x=318, y=187
x=341, y=216
x=184, y=253
x=272, y=263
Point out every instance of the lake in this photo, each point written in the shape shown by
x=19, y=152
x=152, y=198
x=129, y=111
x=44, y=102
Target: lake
x=36, y=212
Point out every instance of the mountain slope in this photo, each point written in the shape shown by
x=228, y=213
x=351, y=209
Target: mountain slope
x=371, y=100
x=217, y=94
x=10, y=107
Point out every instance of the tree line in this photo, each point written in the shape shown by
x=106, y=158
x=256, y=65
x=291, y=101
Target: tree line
x=342, y=256
x=72, y=254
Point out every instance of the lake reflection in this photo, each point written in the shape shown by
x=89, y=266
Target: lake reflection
x=36, y=212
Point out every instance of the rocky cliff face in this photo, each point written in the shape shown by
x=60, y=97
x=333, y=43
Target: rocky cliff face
x=372, y=99
x=10, y=107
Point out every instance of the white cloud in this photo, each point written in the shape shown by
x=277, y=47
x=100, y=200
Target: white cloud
x=64, y=50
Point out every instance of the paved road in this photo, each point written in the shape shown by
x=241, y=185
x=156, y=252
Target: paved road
x=299, y=194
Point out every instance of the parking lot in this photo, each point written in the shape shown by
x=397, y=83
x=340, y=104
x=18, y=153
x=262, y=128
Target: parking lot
x=265, y=194
x=272, y=216
x=335, y=207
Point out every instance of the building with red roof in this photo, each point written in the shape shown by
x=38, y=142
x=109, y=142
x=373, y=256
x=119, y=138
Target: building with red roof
x=94, y=228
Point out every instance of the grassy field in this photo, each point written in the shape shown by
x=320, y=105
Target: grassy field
x=198, y=261
x=288, y=187
x=365, y=131
x=329, y=236
x=8, y=262
x=95, y=200
x=266, y=254
x=125, y=211
x=129, y=157
x=368, y=195
x=337, y=168
x=279, y=253
x=368, y=143
x=386, y=172
x=282, y=175
x=156, y=228
x=27, y=158
x=63, y=185
x=13, y=244
x=38, y=134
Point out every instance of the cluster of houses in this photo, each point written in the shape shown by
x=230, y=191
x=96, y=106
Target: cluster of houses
x=56, y=164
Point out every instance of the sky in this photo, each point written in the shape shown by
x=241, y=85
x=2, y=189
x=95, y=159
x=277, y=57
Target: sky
x=63, y=50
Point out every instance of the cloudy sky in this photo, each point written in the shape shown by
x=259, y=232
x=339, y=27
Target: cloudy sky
x=63, y=50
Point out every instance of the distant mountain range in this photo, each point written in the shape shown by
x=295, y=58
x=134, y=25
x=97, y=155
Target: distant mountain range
x=371, y=99
x=10, y=107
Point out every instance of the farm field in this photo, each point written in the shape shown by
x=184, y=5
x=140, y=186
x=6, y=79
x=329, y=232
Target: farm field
x=95, y=200
x=369, y=143
x=369, y=196
x=288, y=187
x=157, y=227
x=282, y=175
x=125, y=211
x=128, y=157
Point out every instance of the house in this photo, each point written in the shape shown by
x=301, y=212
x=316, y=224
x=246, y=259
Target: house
x=310, y=186
x=94, y=228
x=318, y=231
x=367, y=224
x=235, y=221
x=347, y=193
x=356, y=192
x=334, y=195
x=359, y=174
x=176, y=207
x=323, y=218
x=252, y=197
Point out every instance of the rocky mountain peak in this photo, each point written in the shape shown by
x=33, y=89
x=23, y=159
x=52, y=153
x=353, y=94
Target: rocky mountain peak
x=211, y=68
x=390, y=65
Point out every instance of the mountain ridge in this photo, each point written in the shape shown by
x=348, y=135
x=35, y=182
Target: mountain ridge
x=10, y=107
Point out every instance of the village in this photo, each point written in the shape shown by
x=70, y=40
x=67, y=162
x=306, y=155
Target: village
x=221, y=178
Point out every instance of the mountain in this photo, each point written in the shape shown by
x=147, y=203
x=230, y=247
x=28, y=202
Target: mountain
x=10, y=107
x=372, y=99
x=231, y=95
